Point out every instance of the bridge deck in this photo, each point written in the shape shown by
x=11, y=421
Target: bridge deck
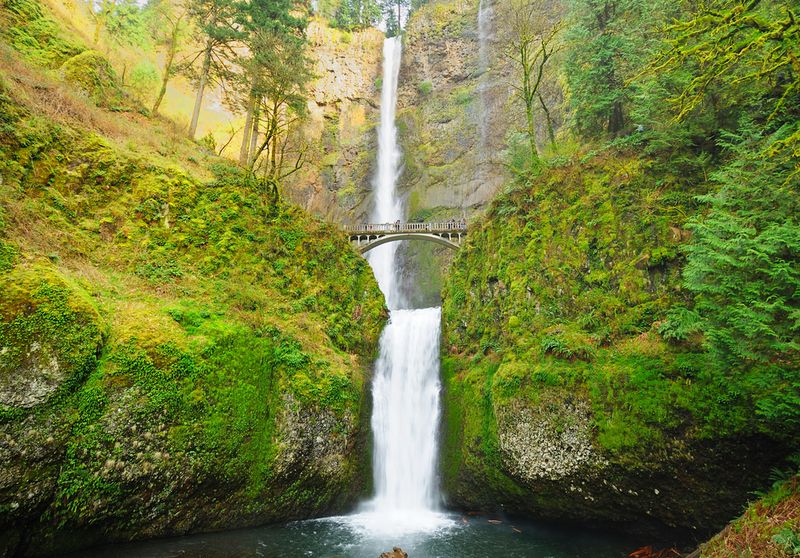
x=393, y=228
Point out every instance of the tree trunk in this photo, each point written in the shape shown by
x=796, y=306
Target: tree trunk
x=198, y=101
x=528, y=92
x=616, y=121
x=251, y=157
x=399, y=25
x=244, y=151
x=532, y=134
x=550, y=132
x=100, y=21
x=173, y=47
x=273, y=166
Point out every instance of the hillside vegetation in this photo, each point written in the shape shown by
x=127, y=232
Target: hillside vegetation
x=180, y=350
x=626, y=312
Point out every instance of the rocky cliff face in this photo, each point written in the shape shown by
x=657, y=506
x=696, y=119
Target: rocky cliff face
x=453, y=111
x=343, y=112
x=457, y=105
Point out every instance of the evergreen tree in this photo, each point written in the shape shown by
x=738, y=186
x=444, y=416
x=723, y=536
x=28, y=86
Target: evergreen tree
x=121, y=19
x=393, y=10
x=744, y=258
x=357, y=14
x=215, y=23
x=392, y=27
x=605, y=48
x=272, y=86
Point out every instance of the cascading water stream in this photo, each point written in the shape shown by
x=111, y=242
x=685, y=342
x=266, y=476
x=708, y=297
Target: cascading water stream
x=405, y=415
x=387, y=206
x=406, y=406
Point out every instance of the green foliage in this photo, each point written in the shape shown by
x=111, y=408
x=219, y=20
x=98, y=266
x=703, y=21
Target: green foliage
x=789, y=540
x=742, y=262
x=425, y=87
x=125, y=22
x=41, y=39
x=601, y=54
x=680, y=324
x=566, y=344
x=356, y=14
x=143, y=80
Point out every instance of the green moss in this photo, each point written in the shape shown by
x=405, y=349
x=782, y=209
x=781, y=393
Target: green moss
x=566, y=285
x=91, y=72
x=50, y=327
x=31, y=30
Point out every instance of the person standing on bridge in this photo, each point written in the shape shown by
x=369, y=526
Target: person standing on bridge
x=397, y=225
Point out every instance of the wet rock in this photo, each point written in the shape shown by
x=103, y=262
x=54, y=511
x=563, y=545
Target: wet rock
x=396, y=552
x=539, y=443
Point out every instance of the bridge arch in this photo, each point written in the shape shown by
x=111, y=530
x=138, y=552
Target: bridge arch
x=406, y=236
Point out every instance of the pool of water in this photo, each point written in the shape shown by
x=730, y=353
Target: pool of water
x=366, y=535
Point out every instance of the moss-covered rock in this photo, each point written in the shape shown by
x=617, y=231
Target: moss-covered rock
x=91, y=72
x=564, y=398
x=50, y=337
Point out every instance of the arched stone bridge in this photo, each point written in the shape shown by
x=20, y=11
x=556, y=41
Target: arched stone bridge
x=368, y=236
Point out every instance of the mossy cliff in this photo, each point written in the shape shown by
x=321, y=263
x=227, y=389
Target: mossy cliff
x=179, y=351
x=566, y=394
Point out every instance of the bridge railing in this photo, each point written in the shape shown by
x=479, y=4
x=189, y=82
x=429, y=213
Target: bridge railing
x=387, y=228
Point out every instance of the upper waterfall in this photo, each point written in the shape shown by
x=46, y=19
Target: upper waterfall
x=388, y=207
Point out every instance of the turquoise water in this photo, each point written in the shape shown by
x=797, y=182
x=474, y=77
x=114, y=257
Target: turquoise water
x=446, y=536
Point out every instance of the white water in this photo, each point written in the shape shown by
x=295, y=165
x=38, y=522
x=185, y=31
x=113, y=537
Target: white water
x=406, y=388
x=484, y=19
x=405, y=415
x=388, y=208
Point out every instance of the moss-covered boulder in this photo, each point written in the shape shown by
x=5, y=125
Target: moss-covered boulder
x=50, y=337
x=91, y=73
